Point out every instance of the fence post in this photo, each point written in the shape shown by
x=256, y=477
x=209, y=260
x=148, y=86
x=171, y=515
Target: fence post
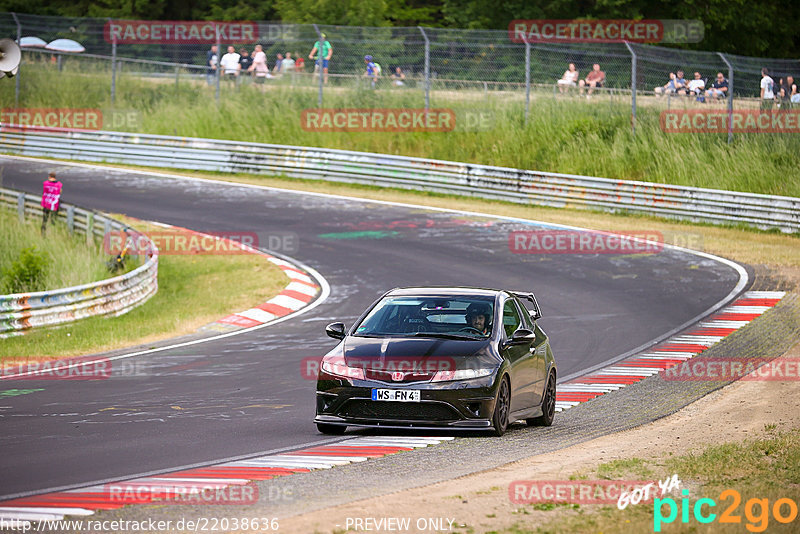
x=90, y=228
x=21, y=207
x=633, y=87
x=320, y=62
x=730, y=97
x=427, y=81
x=527, y=77
x=19, y=40
x=219, y=62
x=113, y=65
x=71, y=219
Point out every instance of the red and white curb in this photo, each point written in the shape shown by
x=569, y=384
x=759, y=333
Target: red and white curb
x=300, y=292
x=86, y=501
x=669, y=353
x=302, y=289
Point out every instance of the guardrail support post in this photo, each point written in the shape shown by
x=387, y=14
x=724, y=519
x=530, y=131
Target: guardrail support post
x=21, y=207
x=71, y=219
x=19, y=39
x=427, y=81
x=730, y=97
x=90, y=229
x=106, y=228
x=633, y=88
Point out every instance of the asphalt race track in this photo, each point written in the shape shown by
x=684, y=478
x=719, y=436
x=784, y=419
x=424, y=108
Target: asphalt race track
x=245, y=394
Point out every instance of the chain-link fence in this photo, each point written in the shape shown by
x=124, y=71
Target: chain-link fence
x=430, y=64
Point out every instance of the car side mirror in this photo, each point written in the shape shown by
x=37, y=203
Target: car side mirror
x=521, y=336
x=335, y=330
x=536, y=314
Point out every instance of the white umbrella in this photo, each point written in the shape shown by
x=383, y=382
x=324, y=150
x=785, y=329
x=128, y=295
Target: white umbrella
x=65, y=45
x=32, y=42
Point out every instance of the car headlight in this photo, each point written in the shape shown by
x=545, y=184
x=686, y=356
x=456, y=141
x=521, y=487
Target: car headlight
x=336, y=366
x=461, y=374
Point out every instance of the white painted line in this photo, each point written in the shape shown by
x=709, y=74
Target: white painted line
x=765, y=294
x=331, y=458
x=746, y=309
x=302, y=288
x=673, y=355
x=29, y=516
x=697, y=339
x=257, y=314
x=287, y=302
x=724, y=324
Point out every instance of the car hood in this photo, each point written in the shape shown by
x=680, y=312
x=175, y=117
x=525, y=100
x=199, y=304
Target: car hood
x=422, y=355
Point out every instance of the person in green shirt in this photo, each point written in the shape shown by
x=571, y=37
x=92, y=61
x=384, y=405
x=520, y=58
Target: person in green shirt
x=324, y=51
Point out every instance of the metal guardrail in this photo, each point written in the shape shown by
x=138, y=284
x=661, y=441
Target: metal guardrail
x=514, y=185
x=113, y=296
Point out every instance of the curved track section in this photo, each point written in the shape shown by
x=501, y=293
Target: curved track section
x=246, y=395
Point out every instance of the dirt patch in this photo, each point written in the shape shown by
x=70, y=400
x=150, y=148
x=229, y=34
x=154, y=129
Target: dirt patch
x=480, y=502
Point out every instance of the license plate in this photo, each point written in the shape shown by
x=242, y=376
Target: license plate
x=396, y=395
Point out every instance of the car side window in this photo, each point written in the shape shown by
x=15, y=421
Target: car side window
x=527, y=321
x=511, y=318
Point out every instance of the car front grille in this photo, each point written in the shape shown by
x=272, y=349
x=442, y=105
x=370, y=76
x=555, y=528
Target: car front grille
x=412, y=411
x=397, y=377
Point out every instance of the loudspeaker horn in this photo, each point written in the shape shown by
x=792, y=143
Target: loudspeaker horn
x=10, y=56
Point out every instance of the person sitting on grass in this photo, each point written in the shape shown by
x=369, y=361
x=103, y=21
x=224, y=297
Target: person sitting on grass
x=569, y=79
x=596, y=78
x=680, y=83
x=697, y=85
x=668, y=87
x=719, y=87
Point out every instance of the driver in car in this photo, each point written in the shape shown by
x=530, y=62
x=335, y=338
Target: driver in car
x=479, y=317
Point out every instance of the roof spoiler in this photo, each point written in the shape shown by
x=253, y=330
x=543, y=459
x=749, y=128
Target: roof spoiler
x=536, y=313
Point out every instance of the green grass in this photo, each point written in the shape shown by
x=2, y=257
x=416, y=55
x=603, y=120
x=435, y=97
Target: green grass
x=193, y=290
x=567, y=135
x=767, y=467
x=68, y=260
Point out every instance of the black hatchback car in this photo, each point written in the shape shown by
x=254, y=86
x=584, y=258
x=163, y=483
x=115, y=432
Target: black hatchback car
x=439, y=358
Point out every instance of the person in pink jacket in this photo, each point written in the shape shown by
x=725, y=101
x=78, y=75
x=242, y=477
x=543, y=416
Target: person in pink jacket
x=51, y=194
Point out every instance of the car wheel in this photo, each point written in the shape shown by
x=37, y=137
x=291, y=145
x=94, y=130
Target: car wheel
x=336, y=430
x=548, y=405
x=501, y=408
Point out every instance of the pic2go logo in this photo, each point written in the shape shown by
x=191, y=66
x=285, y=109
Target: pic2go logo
x=756, y=511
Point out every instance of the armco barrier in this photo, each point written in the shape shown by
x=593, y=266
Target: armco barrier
x=531, y=187
x=113, y=296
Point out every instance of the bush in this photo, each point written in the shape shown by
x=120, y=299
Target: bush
x=27, y=273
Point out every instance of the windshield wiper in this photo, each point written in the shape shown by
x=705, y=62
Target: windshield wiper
x=444, y=336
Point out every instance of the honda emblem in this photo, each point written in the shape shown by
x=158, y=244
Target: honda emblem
x=397, y=376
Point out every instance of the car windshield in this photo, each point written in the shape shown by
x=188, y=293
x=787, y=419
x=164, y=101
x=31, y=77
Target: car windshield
x=450, y=317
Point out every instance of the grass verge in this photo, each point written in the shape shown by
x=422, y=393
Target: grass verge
x=567, y=135
x=66, y=260
x=192, y=291
x=761, y=471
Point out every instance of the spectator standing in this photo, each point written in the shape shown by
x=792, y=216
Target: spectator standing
x=287, y=65
x=300, y=63
x=51, y=197
x=372, y=70
x=259, y=67
x=767, y=89
x=668, y=87
x=569, y=79
x=245, y=61
x=212, y=59
x=719, y=87
x=276, y=70
x=230, y=64
x=398, y=77
x=324, y=51
x=596, y=78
